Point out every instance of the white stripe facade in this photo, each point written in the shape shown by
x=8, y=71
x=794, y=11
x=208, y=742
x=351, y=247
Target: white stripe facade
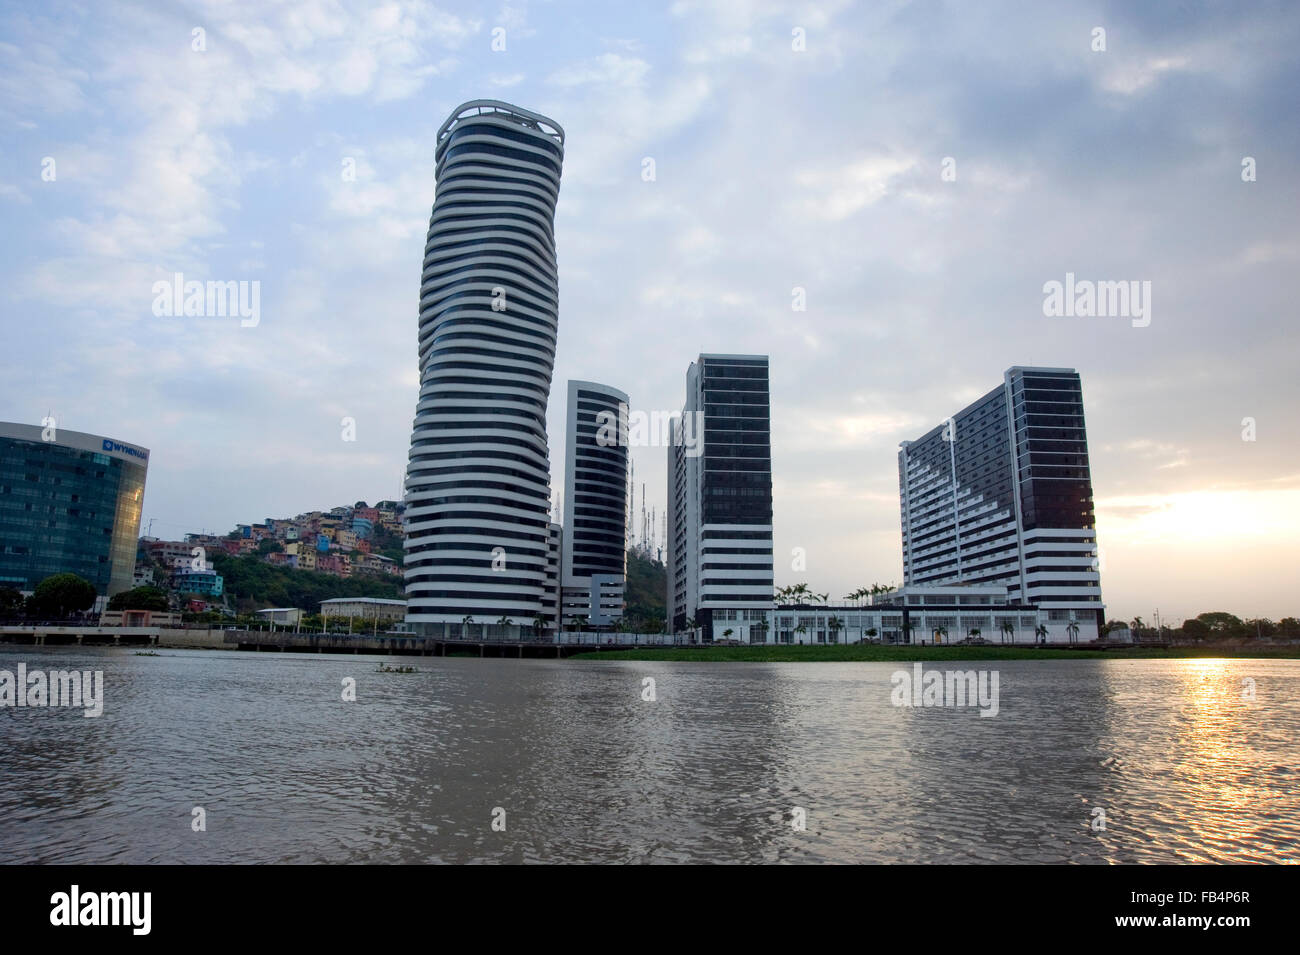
x=478, y=482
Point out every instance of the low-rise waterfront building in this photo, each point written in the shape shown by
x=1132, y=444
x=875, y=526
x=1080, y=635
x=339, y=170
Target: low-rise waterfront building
x=372, y=609
x=918, y=614
x=930, y=615
x=282, y=616
x=139, y=618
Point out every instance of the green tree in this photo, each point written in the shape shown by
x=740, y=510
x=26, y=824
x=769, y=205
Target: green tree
x=835, y=625
x=645, y=592
x=798, y=593
x=1222, y=623
x=139, y=598
x=11, y=600
x=62, y=594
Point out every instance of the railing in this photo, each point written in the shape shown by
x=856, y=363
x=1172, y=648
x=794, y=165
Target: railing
x=565, y=638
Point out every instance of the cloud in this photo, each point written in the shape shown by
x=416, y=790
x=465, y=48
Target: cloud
x=1131, y=78
x=837, y=193
x=774, y=169
x=607, y=69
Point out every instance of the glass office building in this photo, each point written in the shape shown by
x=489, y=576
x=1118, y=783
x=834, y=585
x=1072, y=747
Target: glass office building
x=594, y=561
x=1001, y=493
x=69, y=503
x=720, y=501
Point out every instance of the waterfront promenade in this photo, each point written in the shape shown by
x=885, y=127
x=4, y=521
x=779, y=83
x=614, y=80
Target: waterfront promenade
x=287, y=641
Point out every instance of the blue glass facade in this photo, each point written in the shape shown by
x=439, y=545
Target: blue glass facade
x=68, y=505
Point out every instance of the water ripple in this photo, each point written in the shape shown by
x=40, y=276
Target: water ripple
x=715, y=769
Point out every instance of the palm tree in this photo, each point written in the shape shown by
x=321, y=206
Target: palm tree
x=539, y=625
x=726, y=634
x=835, y=625
x=972, y=633
x=940, y=634
x=908, y=627
x=871, y=632
x=503, y=622
x=1040, y=632
x=465, y=624
x=801, y=629
x=1008, y=631
x=1073, y=631
x=763, y=627
x=690, y=627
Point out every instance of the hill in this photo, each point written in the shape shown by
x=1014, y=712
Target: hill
x=253, y=584
x=646, y=593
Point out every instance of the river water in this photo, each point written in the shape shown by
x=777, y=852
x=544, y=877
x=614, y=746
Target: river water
x=497, y=760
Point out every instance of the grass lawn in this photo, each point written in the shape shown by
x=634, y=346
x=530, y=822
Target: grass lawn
x=871, y=652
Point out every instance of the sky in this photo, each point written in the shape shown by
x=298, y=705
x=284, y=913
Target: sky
x=918, y=170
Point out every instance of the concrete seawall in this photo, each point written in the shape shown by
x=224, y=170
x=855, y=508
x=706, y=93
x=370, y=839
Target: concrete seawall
x=194, y=638
x=55, y=636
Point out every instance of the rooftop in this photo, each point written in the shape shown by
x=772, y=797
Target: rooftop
x=495, y=107
x=364, y=600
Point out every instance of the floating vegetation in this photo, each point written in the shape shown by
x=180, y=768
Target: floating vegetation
x=385, y=668
x=147, y=653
